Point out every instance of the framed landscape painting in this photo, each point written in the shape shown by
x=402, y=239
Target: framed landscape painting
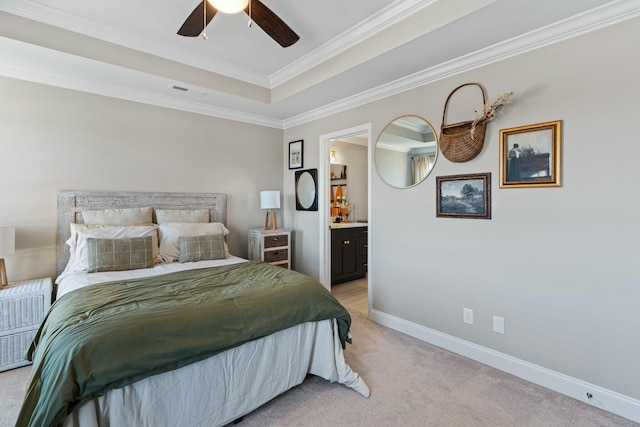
x=530, y=156
x=464, y=196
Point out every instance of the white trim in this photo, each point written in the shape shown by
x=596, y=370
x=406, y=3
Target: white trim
x=385, y=18
x=52, y=16
x=48, y=77
x=324, y=259
x=393, y=13
x=603, y=398
x=370, y=228
x=594, y=19
x=583, y=23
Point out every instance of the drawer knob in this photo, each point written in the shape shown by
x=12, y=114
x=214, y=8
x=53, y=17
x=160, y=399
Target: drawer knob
x=346, y=242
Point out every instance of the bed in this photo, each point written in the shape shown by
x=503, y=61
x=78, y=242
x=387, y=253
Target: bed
x=197, y=337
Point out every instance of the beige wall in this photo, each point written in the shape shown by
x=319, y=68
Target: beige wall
x=55, y=139
x=558, y=264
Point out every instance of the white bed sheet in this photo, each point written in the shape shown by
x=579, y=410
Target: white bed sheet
x=68, y=282
x=224, y=387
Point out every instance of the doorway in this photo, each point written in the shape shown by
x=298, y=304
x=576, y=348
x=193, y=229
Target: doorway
x=336, y=147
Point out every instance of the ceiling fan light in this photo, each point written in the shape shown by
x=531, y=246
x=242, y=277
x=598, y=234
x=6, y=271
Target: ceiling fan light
x=229, y=6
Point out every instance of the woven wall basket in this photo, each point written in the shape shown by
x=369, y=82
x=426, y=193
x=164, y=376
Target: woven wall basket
x=456, y=142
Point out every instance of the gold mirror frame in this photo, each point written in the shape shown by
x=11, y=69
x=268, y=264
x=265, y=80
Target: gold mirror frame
x=399, y=140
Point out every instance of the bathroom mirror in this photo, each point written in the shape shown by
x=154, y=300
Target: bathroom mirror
x=338, y=171
x=406, y=151
x=307, y=190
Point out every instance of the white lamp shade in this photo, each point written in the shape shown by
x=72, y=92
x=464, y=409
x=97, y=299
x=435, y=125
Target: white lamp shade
x=7, y=240
x=270, y=199
x=229, y=6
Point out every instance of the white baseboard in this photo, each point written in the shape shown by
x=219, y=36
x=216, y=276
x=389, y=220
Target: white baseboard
x=602, y=398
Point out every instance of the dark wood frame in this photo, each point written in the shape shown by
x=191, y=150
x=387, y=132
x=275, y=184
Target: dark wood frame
x=442, y=208
x=549, y=159
x=292, y=147
x=314, y=204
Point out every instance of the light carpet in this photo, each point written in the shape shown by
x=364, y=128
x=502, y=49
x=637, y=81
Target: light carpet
x=412, y=384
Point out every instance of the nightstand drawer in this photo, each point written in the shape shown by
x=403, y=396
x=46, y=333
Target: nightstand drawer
x=276, y=241
x=280, y=255
x=23, y=306
x=270, y=246
x=13, y=348
x=22, y=311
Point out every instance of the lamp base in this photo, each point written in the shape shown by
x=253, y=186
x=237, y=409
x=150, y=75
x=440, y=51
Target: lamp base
x=3, y=274
x=274, y=222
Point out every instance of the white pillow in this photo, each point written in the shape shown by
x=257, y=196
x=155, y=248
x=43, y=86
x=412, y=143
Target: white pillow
x=74, y=228
x=78, y=258
x=164, y=216
x=169, y=233
x=120, y=216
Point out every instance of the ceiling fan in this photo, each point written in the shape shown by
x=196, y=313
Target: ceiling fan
x=258, y=13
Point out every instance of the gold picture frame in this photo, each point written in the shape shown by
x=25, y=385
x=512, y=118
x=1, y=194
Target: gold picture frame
x=531, y=156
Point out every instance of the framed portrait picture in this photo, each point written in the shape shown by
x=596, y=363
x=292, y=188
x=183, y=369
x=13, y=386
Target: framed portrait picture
x=464, y=196
x=530, y=156
x=295, y=154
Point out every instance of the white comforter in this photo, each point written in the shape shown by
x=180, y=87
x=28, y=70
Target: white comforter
x=222, y=388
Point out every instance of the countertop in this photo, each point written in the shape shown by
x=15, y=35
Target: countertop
x=348, y=224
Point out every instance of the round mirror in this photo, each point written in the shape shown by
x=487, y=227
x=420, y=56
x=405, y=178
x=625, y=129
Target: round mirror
x=406, y=151
x=306, y=190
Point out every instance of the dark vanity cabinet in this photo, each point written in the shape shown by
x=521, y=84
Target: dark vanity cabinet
x=348, y=254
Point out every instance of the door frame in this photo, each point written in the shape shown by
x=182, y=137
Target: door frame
x=324, y=237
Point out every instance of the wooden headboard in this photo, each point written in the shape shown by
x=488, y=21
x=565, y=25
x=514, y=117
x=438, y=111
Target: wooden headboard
x=72, y=203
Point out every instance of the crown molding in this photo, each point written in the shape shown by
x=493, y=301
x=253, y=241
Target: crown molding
x=577, y=25
x=586, y=22
x=36, y=75
x=52, y=16
x=385, y=18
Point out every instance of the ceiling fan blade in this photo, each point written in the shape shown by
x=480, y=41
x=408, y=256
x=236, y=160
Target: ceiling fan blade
x=272, y=24
x=194, y=25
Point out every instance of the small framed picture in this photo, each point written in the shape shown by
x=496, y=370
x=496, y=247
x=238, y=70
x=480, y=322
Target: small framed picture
x=530, y=156
x=295, y=155
x=464, y=196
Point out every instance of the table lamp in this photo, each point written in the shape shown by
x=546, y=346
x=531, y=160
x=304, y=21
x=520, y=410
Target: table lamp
x=7, y=246
x=270, y=200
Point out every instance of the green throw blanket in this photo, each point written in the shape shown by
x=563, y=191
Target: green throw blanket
x=109, y=335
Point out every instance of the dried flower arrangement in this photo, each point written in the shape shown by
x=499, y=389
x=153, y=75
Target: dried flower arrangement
x=489, y=110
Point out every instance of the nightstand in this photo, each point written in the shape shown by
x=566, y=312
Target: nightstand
x=23, y=305
x=272, y=246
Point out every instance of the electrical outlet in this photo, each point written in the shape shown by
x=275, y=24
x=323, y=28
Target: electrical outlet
x=498, y=324
x=467, y=315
